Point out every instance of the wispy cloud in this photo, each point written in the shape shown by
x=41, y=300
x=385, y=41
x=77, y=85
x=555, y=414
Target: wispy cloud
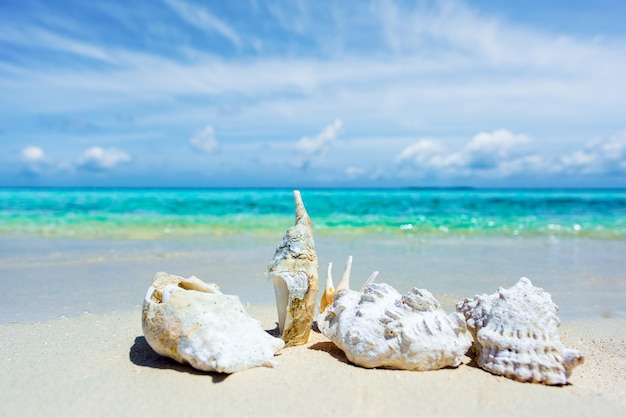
x=203, y=19
x=36, y=37
x=508, y=72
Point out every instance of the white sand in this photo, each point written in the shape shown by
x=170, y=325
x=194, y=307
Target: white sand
x=100, y=365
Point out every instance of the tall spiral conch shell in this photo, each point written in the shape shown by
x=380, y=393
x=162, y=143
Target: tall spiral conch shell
x=516, y=335
x=193, y=322
x=378, y=327
x=294, y=273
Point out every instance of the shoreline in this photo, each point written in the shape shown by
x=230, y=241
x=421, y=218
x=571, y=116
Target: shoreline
x=51, y=278
x=101, y=365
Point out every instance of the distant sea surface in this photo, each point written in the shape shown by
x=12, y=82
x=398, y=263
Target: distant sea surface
x=158, y=213
x=67, y=251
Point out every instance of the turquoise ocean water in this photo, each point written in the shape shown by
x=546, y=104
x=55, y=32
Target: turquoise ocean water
x=154, y=213
x=67, y=251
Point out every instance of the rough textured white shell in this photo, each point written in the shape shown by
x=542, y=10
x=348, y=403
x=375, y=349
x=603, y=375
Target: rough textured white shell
x=192, y=322
x=516, y=335
x=378, y=327
x=293, y=271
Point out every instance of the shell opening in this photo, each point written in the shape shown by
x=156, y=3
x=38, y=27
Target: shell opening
x=282, y=300
x=150, y=294
x=168, y=291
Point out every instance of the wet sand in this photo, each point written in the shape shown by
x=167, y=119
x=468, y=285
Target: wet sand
x=99, y=364
x=48, y=278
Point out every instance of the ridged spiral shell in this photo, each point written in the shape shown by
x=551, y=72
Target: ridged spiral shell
x=516, y=335
x=378, y=327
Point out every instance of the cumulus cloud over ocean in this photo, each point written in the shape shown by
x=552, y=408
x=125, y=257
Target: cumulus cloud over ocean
x=98, y=158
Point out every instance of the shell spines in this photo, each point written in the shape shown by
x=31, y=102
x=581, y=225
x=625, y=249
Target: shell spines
x=516, y=335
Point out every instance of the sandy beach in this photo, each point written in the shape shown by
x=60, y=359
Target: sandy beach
x=101, y=365
x=72, y=342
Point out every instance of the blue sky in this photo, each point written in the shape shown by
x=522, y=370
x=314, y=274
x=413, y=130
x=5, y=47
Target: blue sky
x=313, y=93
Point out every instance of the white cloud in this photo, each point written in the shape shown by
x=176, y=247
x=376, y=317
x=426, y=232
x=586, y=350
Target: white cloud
x=354, y=172
x=489, y=150
x=37, y=37
x=420, y=153
x=529, y=164
x=203, y=19
x=499, y=141
x=34, y=160
x=32, y=154
x=204, y=140
x=487, y=153
x=600, y=156
x=100, y=159
x=313, y=149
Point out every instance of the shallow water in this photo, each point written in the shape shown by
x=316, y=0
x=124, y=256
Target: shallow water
x=43, y=278
x=66, y=251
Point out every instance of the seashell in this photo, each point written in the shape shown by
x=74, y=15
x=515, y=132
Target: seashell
x=516, y=335
x=193, y=322
x=378, y=327
x=344, y=282
x=294, y=273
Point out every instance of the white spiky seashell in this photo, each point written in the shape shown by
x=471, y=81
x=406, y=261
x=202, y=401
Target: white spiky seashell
x=293, y=271
x=516, y=335
x=378, y=327
x=193, y=322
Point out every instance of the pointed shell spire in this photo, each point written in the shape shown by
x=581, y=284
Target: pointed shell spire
x=344, y=283
x=293, y=271
x=302, y=217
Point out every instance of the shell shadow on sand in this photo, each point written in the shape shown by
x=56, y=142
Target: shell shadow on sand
x=334, y=351
x=141, y=354
x=330, y=348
